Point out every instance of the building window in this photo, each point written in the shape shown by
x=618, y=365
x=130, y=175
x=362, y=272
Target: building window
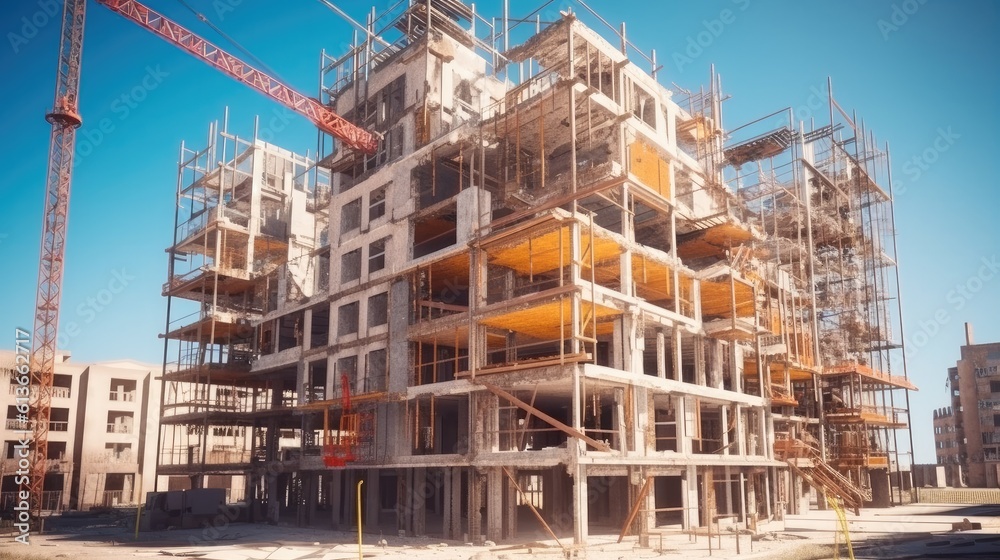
x=350, y=216
x=347, y=319
x=995, y=386
x=376, y=375
x=350, y=266
x=378, y=310
x=376, y=255
x=347, y=366
x=996, y=420
x=376, y=203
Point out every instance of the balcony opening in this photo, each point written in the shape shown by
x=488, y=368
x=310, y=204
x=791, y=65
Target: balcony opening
x=122, y=390
x=56, y=451
x=120, y=422
x=117, y=489
x=440, y=179
x=290, y=331
x=316, y=386
x=432, y=234
x=61, y=386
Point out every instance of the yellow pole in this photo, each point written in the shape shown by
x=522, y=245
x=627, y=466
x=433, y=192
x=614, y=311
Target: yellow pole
x=138, y=514
x=138, y=509
x=360, y=482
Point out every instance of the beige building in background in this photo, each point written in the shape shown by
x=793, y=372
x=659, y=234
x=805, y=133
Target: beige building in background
x=974, y=421
x=102, y=434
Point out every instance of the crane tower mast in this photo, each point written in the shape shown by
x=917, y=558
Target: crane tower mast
x=65, y=119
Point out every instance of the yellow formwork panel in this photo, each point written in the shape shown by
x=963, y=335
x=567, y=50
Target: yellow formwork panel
x=447, y=272
x=545, y=252
x=717, y=299
x=648, y=167
x=776, y=371
x=543, y=321
x=713, y=241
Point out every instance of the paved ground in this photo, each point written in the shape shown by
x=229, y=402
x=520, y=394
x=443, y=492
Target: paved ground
x=913, y=531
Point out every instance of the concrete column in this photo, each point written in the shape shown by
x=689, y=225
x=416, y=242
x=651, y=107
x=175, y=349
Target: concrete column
x=310, y=488
x=699, y=360
x=371, y=491
x=714, y=369
x=739, y=430
x=580, y=509
x=795, y=494
x=751, y=501
x=729, y=490
x=661, y=355
x=643, y=420
x=678, y=354
x=418, y=501
x=881, y=490
x=620, y=440
x=687, y=418
x=475, y=505
x=509, y=506
x=724, y=428
x=402, y=503
x=494, y=504
x=689, y=497
x=272, y=498
x=336, y=497
x=647, y=517
x=448, y=523
x=307, y=317
x=455, y=512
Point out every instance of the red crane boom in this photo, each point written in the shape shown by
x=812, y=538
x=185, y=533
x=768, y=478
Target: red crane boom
x=326, y=120
x=65, y=119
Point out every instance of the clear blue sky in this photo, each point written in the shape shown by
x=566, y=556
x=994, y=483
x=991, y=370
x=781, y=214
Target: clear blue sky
x=929, y=67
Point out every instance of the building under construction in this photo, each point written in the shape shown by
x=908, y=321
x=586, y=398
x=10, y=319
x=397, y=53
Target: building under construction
x=560, y=298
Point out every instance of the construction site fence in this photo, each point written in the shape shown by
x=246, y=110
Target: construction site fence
x=51, y=500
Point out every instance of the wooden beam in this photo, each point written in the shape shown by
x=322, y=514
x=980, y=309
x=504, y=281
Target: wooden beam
x=635, y=507
x=532, y=507
x=570, y=431
x=527, y=420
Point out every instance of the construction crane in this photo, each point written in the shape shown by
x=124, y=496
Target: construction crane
x=325, y=119
x=65, y=119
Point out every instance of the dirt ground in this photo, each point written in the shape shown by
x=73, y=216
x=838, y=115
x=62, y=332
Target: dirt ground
x=902, y=531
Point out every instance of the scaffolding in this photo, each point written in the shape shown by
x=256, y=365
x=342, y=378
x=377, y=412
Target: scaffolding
x=558, y=286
